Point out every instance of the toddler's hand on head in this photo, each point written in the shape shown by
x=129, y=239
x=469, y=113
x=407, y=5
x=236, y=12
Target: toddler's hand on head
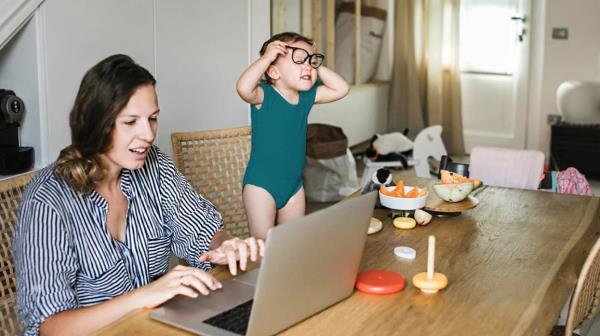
x=274, y=49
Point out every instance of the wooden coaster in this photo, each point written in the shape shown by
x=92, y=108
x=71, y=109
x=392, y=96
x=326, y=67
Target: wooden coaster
x=374, y=226
x=439, y=205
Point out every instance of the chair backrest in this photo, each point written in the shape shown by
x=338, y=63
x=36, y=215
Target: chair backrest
x=428, y=143
x=446, y=163
x=586, y=297
x=11, y=193
x=505, y=167
x=214, y=162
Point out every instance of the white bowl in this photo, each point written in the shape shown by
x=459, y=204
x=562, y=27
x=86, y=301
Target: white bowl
x=402, y=203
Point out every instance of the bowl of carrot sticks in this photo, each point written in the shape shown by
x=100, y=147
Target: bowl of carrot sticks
x=401, y=197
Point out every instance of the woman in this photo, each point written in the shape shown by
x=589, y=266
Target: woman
x=96, y=227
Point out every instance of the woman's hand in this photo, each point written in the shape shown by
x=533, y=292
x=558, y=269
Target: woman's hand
x=232, y=250
x=182, y=280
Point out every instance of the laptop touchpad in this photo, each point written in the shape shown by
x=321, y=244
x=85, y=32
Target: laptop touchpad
x=232, y=294
x=187, y=310
x=250, y=277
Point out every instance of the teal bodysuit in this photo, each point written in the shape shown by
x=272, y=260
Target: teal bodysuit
x=279, y=144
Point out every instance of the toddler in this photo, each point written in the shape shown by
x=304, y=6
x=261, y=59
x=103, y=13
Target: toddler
x=280, y=103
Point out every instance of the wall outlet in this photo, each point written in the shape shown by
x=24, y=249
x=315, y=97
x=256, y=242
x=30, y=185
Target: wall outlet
x=560, y=33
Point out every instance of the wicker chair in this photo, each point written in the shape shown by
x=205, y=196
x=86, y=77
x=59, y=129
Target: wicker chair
x=214, y=163
x=586, y=298
x=11, y=192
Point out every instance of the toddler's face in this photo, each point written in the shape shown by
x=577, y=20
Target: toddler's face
x=300, y=77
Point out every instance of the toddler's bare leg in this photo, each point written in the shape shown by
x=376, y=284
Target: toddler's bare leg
x=295, y=208
x=261, y=210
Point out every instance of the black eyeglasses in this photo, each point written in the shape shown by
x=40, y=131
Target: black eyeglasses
x=299, y=56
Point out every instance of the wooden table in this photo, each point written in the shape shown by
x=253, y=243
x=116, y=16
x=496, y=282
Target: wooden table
x=511, y=264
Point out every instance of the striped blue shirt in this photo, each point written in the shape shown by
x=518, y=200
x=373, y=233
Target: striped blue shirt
x=65, y=257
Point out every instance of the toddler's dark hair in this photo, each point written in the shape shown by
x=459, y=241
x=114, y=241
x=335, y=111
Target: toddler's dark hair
x=285, y=37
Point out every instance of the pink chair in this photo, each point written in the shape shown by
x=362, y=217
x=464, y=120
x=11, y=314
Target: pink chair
x=503, y=167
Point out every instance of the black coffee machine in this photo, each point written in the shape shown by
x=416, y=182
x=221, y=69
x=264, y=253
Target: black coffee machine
x=14, y=159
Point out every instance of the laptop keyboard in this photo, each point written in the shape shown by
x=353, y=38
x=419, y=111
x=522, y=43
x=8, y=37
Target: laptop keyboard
x=235, y=319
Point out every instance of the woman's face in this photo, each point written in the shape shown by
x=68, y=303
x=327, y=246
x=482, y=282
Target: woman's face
x=134, y=131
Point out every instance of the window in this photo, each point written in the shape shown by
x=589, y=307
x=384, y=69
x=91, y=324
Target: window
x=487, y=36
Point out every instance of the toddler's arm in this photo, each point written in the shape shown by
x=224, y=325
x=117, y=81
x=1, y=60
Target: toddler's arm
x=334, y=86
x=247, y=86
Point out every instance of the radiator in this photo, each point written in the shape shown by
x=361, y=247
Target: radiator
x=576, y=145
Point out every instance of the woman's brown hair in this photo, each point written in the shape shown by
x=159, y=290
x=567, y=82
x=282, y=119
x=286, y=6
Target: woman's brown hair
x=284, y=37
x=104, y=92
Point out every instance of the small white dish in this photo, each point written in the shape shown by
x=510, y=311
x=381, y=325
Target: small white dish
x=405, y=252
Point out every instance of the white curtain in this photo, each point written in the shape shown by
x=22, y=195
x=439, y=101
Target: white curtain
x=13, y=15
x=426, y=78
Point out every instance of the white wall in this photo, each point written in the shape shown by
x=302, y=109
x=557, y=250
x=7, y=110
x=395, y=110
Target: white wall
x=78, y=34
x=360, y=114
x=199, y=58
x=556, y=61
x=195, y=49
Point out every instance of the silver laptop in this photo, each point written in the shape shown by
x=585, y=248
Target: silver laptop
x=309, y=264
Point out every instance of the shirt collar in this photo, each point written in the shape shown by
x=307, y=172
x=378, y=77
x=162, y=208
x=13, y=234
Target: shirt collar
x=126, y=183
x=126, y=187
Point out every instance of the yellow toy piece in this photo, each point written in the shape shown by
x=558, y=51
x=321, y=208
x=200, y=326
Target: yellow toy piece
x=430, y=282
x=375, y=225
x=404, y=223
x=430, y=285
